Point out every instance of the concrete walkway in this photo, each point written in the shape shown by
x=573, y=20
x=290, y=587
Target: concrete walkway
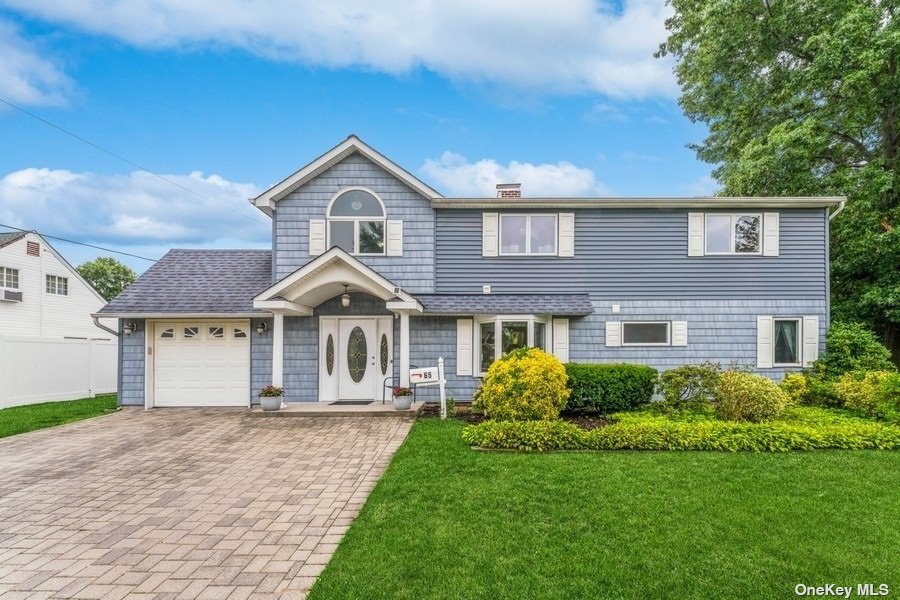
x=183, y=503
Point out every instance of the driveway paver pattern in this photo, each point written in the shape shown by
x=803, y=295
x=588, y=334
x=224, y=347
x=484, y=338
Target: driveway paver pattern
x=183, y=503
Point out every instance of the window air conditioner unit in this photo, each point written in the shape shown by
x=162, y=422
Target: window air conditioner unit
x=10, y=295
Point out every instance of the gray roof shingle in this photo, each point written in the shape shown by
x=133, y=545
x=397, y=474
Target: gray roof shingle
x=197, y=282
x=471, y=304
x=10, y=237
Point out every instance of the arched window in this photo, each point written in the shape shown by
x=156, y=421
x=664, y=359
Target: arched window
x=356, y=222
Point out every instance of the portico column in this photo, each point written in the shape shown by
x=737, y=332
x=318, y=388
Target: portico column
x=404, y=348
x=278, y=350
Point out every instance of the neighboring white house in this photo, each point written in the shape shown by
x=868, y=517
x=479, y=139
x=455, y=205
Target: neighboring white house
x=50, y=348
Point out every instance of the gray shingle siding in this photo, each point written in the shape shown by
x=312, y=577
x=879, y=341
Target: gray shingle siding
x=431, y=337
x=131, y=366
x=722, y=331
x=635, y=253
x=414, y=271
x=260, y=358
x=467, y=304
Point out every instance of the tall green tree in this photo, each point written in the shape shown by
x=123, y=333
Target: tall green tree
x=802, y=97
x=107, y=275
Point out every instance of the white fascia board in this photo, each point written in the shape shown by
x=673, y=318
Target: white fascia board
x=284, y=306
x=413, y=305
x=335, y=253
x=266, y=201
x=176, y=315
x=657, y=203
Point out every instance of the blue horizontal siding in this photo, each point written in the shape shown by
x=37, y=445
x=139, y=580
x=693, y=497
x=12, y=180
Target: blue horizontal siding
x=637, y=253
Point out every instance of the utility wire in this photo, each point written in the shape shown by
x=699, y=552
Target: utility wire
x=122, y=158
x=53, y=237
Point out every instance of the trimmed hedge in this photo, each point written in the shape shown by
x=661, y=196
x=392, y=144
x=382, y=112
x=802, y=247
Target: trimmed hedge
x=608, y=388
x=648, y=432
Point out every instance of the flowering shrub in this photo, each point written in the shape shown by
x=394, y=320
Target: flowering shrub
x=748, y=397
x=795, y=386
x=402, y=391
x=527, y=384
x=857, y=389
x=270, y=391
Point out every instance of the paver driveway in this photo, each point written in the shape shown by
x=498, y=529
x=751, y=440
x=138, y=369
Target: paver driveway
x=183, y=503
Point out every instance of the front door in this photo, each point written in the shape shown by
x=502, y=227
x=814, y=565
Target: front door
x=358, y=350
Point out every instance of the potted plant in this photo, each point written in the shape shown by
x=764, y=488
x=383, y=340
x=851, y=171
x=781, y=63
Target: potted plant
x=402, y=397
x=270, y=397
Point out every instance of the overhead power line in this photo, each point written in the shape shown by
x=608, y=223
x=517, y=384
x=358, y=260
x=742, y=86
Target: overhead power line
x=61, y=239
x=125, y=160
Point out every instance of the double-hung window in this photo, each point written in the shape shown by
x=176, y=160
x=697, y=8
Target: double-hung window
x=356, y=221
x=528, y=235
x=57, y=285
x=786, y=349
x=738, y=233
x=499, y=335
x=9, y=278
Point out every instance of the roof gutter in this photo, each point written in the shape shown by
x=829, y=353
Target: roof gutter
x=838, y=211
x=97, y=322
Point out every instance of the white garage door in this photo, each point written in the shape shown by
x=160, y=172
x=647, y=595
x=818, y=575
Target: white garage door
x=202, y=363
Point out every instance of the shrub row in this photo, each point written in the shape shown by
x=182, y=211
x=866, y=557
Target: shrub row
x=651, y=433
x=609, y=388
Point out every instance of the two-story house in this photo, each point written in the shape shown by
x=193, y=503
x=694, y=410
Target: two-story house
x=371, y=271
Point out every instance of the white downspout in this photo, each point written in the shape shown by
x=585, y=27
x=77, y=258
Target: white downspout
x=97, y=322
x=838, y=211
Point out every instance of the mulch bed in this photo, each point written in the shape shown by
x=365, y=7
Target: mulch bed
x=464, y=413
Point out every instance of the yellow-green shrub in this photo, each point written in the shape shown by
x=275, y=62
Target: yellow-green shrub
x=857, y=389
x=795, y=386
x=747, y=397
x=526, y=384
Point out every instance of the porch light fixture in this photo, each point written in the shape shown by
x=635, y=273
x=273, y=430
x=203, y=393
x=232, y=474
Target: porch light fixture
x=262, y=327
x=345, y=297
x=128, y=328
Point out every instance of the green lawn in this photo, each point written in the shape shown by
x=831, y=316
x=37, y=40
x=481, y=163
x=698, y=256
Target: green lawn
x=20, y=419
x=449, y=522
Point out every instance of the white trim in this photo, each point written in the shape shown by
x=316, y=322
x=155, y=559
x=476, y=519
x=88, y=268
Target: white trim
x=393, y=237
x=278, y=350
x=136, y=315
x=613, y=333
x=149, y=364
x=810, y=337
x=565, y=230
x=732, y=235
x=663, y=203
x=696, y=226
x=284, y=306
x=465, y=359
x=528, y=251
x=799, y=340
x=318, y=236
x=765, y=338
x=355, y=188
x=266, y=201
x=490, y=234
x=404, y=349
x=329, y=219
x=498, y=321
x=668, y=325
x=561, y=339
x=679, y=335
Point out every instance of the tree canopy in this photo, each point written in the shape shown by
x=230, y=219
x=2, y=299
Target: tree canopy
x=107, y=275
x=802, y=97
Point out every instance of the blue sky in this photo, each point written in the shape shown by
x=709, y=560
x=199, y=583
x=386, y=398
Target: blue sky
x=229, y=99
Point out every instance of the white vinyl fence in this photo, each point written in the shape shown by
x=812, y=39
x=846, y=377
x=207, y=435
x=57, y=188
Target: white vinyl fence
x=36, y=370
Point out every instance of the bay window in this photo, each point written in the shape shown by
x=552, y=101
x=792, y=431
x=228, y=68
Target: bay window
x=499, y=335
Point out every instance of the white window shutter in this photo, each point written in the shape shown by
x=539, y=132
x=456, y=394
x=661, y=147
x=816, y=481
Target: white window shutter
x=695, y=234
x=566, y=234
x=765, y=333
x=770, y=234
x=561, y=339
x=464, y=359
x=394, y=242
x=316, y=237
x=613, y=333
x=490, y=234
x=679, y=333
x=810, y=340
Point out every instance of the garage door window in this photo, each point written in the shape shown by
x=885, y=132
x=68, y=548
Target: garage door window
x=217, y=333
x=239, y=333
x=191, y=332
x=166, y=334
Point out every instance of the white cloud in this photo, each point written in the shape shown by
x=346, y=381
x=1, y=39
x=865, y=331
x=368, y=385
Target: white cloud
x=454, y=175
x=27, y=77
x=569, y=47
x=135, y=210
x=605, y=112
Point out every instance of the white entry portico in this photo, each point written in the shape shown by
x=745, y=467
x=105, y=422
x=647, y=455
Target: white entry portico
x=355, y=351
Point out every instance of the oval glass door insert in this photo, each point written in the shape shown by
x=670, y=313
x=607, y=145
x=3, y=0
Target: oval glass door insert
x=329, y=354
x=384, y=354
x=357, y=354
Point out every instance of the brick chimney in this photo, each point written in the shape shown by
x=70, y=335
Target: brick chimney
x=509, y=190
